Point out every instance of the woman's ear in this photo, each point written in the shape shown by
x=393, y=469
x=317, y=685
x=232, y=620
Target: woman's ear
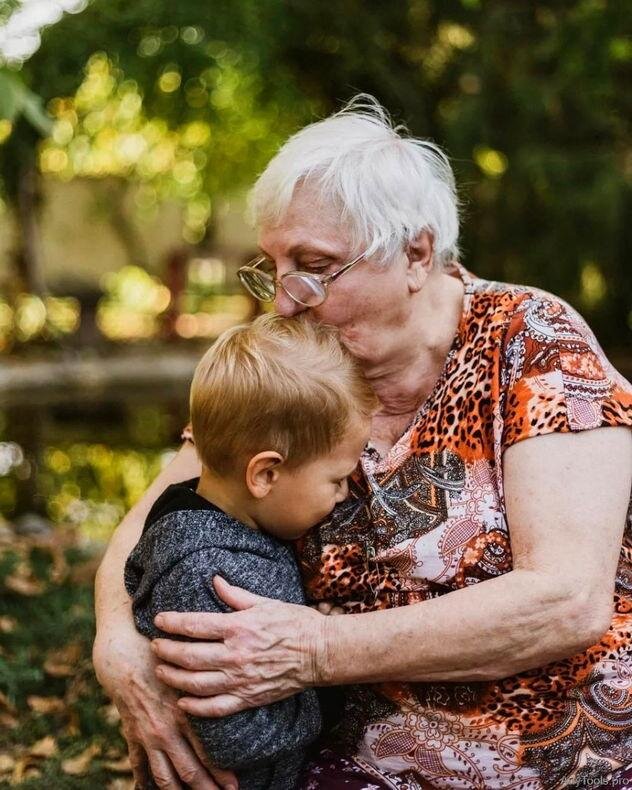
x=262, y=472
x=419, y=253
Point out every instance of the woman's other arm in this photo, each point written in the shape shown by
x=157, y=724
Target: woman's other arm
x=156, y=730
x=566, y=497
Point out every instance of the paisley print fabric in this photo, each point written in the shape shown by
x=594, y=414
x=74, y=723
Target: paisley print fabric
x=429, y=518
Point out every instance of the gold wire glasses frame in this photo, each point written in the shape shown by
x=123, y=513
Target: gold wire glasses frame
x=309, y=290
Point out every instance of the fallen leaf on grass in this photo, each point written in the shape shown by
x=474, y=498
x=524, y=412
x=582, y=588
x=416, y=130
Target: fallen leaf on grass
x=45, y=704
x=73, y=728
x=23, y=585
x=9, y=721
x=6, y=763
x=45, y=747
x=110, y=714
x=6, y=703
x=63, y=663
x=122, y=766
x=121, y=784
x=18, y=770
x=7, y=624
x=76, y=766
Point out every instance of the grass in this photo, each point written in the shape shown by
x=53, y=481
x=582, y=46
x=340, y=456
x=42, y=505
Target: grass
x=57, y=728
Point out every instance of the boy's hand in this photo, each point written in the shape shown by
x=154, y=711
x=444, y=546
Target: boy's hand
x=328, y=608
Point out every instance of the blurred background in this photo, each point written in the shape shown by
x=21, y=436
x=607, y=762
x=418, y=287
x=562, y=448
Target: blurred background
x=129, y=134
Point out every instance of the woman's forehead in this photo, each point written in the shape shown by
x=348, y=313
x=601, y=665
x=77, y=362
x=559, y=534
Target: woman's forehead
x=302, y=227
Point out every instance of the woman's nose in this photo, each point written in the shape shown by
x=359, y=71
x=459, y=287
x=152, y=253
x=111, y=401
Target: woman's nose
x=285, y=305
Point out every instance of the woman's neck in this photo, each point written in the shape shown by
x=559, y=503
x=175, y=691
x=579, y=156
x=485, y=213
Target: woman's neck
x=409, y=370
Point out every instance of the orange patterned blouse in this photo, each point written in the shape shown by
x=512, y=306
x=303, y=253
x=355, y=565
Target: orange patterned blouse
x=429, y=518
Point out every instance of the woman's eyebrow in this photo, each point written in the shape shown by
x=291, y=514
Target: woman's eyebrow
x=304, y=248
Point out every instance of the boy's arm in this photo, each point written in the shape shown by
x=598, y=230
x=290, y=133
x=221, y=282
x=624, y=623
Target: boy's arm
x=253, y=735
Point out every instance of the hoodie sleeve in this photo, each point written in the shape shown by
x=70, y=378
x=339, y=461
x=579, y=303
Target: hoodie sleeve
x=251, y=736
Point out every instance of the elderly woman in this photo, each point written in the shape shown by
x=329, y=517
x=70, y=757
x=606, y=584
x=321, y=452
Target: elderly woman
x=480, y=560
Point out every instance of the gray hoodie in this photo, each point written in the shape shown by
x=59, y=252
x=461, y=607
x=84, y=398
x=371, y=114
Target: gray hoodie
x=185, y=542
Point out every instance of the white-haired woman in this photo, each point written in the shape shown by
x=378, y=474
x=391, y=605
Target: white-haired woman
x=481, y=560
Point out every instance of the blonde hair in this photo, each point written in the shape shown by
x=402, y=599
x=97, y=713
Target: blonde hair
x=278, y=383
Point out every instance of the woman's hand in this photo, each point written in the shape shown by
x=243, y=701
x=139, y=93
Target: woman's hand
x=262, y=652
x=156, y=730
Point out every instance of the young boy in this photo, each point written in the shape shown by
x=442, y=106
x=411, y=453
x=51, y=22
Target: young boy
x=280, y=414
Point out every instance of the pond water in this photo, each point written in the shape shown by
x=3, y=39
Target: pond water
x=83, y=461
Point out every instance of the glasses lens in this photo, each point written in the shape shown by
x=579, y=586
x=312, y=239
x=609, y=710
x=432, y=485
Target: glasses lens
x=259, y=284
x=304, y=288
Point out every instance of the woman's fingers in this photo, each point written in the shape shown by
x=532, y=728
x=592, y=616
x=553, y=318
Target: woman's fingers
x=224, y=779
x=163, y=774
x=213, y=707
x=180, y=764
x=139, y=763
x=190, y=655
x=201, y=684
x=199, y=625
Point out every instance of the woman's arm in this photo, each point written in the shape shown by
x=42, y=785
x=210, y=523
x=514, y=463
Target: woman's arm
x=566, y=497
x=156, y=730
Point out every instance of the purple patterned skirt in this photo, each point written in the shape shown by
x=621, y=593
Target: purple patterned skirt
x=331, y=771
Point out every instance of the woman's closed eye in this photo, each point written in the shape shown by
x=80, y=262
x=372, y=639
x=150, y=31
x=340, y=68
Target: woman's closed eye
x=314, y=266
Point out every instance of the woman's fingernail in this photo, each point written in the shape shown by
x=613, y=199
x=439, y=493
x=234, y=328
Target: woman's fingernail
x=159, y=620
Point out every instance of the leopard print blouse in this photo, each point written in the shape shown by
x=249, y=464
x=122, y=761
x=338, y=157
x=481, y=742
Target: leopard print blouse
x=429, y=517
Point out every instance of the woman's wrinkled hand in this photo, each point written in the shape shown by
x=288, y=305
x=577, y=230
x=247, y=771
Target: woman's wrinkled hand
x=262, y=652
x=160, y=741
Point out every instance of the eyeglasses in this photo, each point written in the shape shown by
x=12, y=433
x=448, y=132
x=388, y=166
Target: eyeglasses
x=309, y=290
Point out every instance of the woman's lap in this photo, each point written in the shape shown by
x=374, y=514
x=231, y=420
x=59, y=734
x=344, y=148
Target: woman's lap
x=332, y=771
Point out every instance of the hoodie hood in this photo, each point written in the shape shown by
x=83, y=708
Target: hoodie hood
x=180, y=523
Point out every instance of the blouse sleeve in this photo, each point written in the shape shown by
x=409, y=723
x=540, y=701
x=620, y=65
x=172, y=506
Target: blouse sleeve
x=554, y=375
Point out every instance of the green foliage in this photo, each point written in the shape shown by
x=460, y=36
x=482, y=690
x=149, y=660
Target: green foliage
x=16, y=99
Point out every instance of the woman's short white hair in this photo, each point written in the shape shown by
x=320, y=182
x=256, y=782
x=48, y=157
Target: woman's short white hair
x=388, y=185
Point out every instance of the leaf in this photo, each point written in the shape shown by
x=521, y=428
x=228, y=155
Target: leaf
x=110, y=714
x=16, y=99
x=45, y=747
x=46, y=705
x=9, y=721
x=6, y=703
x=18, y=770
x=63, y=663
x=7, y=624
x=122, y=766
x=6, y=763
x=79, y=765
x=121, y=784
x=23, y=585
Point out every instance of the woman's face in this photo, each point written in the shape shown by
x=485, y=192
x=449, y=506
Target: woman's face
x=367, y=303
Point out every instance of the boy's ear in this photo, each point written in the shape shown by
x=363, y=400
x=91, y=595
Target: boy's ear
x=262, y=472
